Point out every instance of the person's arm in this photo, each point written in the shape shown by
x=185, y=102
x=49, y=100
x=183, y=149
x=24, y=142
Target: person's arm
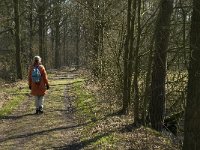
x=45, y=77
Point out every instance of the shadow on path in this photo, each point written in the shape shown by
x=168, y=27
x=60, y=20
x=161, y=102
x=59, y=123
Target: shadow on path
x=26, y=135
x=82, y=144
x=16, y=117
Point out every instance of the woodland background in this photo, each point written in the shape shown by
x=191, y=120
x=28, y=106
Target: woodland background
x=139, y=51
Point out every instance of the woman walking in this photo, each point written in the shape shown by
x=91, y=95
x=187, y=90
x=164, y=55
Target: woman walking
x=38, y=83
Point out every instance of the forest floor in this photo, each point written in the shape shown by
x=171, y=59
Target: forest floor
x=76, y=116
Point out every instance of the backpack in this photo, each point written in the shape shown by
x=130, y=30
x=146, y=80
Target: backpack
x=36, y=75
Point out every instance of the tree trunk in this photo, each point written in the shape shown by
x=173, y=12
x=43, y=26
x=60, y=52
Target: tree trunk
x=57, y=35
x=77, y=40
x=65, y=47
x=57, y=45
x=94, y=35
x=128, y=55
x=192, y=122
x=119, y=55
x=41, y=12
x=157, y=103
x=101, y=40
x=136, y=67
x=126, y=52
x=17, y=40
x=52, y=46
x=148, y=81
x=96, y=42
x=184, y=15
x=31, y=31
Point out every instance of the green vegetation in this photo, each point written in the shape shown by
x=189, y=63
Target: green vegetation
x=16, y=95
x=87, y=105
x=12, y=104
x=48, y=131
x=108, y=131
x=97, y=127
x=85, y=100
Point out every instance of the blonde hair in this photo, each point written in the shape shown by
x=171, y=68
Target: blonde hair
x=37, y=59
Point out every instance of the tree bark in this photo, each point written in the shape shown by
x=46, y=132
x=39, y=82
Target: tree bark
x=77, y=38
x=17, y=40
x=57, y=45
x=192, y=122
x=52, y=45
x=41, y=13
x=94, y=35
x=136, y=67
x=65, y=45
x=157, y=103
x=57, y=35
x=126, y=55
x=31, y=31
x=147, y=91
x=96, y=38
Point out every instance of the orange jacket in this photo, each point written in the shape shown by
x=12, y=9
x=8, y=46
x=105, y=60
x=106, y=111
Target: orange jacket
x=38, y=89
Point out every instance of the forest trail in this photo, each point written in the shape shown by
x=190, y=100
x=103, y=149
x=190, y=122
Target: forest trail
x=76, y=116
x=54, y=129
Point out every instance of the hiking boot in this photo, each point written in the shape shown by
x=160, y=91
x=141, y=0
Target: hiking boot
x=37, y=111
x=40, y=110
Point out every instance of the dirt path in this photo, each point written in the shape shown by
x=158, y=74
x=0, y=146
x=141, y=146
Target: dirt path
x=54, y=129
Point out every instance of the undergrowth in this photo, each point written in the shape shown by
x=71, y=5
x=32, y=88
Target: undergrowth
x=87, y=105
x=104, y=130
